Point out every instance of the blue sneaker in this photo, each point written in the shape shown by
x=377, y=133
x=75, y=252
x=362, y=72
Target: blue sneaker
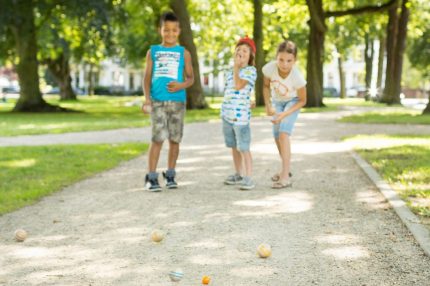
x=170, y=181
x=235, y=179
x=152, y=185
x=247, y=184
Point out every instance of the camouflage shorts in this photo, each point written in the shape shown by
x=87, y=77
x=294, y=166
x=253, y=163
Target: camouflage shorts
x=167, y=120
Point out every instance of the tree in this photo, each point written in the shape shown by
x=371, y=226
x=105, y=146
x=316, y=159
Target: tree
x=83, y=31
x=19, y=17
x=317, y=33
x=419, y=50
x=396, y=42
x=342, y=33
x=259, y=57
x=195, y=96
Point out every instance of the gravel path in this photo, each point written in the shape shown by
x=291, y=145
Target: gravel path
x=331, y=228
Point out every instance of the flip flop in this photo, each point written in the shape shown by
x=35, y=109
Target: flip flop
x=282, y=185
x=276, y=177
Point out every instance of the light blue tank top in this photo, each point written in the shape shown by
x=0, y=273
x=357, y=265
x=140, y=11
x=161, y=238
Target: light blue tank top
x=167, y=65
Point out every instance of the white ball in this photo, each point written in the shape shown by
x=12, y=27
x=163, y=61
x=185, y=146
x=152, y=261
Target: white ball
x=20, y=235
x=157, y=235
x=176, y=275
x=264, y=250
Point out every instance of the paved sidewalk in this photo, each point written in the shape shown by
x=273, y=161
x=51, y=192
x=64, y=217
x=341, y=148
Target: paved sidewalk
x=332, y=228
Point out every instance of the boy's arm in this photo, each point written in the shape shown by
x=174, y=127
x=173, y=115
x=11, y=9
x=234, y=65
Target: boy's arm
x=189, y=75
x=147, y=80
x=266, y=94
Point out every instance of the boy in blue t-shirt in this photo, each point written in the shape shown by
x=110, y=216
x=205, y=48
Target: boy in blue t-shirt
x=168, y=73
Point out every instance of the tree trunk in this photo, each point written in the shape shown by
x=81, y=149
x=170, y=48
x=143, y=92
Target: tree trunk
x=368, y=58
x=314, y=65
x=60, y=69
x=396, y=41
x=314, y=68
x=341, y=77
x=259, y=57
x=24, y=30
x=195, y=96
x=400, y=50
x=392, y=26
x=90, y=80
x=380, y=63
x=427, y=109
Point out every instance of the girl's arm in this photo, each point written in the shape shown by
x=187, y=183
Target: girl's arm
x=266, y=94
x=174, y=86
x=147, y=80
x=301, y=94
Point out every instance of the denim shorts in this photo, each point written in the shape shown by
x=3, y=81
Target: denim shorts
x=237, y=136
x=287, y=124
x=167, y=120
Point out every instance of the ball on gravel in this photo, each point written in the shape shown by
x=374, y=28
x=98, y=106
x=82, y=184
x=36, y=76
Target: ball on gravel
x=20, y=235
x=176, y=275
x=264, y=250
x=206, y=280
x=157, y=235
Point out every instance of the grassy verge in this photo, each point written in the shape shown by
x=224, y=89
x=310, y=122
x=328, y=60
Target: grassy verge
x=389, y=117
x=112, y=112
x=29, y=173
x=405, y=166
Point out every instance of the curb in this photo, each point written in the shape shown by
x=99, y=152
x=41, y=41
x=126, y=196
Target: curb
x=411, y=221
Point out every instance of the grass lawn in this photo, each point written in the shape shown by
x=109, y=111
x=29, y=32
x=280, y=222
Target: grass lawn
x=29, y=173
x=112, y=112
x=401, y=116
x=405, y=166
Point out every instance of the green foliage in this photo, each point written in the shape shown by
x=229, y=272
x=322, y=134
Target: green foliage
x=419, y=32
x=285, y=20
x=82, y=29
x=47, y=169
x=139, y=29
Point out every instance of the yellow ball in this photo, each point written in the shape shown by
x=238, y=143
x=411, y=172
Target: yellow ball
x=157, y=235
x=206, y=280
x=20, y=235
x=264, y=250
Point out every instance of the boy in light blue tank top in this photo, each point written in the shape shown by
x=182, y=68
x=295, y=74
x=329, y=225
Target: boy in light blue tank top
x=168, y=73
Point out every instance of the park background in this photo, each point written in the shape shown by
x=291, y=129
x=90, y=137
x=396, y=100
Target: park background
x=54, y=55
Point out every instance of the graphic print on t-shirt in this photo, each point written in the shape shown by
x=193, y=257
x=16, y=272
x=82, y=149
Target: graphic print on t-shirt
x=166, y=64
x=279, y=88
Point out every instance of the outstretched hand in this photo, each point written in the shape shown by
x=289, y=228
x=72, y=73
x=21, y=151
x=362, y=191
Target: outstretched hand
x=276, y=119
x=270, y=111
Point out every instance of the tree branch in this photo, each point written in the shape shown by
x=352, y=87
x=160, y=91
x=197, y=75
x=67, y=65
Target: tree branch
x=361, y=10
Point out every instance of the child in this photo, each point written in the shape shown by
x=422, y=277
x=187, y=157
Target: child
x=168, y=73
x=283, y=80
x=236, y=114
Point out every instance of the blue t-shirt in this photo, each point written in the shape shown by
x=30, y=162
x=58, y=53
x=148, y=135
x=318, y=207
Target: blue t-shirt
x=167, y=65
x=236, y=106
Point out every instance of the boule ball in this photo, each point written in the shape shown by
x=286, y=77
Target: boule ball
x=206, y=280
x=176, y=275
x=157, y=235
x=264, y=250
x=20, y=235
